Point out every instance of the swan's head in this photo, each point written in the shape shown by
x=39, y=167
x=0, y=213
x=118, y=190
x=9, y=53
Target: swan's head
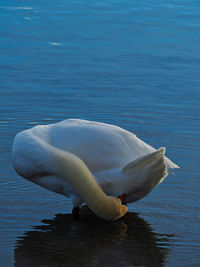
x=118, y=210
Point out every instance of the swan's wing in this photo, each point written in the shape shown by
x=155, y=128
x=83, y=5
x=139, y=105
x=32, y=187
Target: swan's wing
x=101, y=146
x=143, y=174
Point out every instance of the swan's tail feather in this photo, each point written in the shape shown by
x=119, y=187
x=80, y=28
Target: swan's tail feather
x=144, y=174
x=144, y=160
x=171, y=164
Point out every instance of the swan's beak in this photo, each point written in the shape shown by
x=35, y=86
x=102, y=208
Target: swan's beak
x=124, y=210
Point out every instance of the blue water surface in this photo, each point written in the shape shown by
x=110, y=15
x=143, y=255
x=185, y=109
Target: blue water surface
x=132, y=63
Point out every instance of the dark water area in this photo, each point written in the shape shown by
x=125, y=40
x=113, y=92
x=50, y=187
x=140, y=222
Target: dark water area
x=133, y=64
x=127, y=242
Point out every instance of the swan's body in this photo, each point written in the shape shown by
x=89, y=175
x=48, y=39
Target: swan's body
x=121, y=163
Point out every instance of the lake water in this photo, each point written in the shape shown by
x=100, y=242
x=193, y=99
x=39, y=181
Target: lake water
x=131, y=63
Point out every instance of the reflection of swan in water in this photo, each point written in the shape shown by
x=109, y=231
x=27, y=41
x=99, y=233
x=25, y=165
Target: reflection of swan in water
x=109, y=160
x=91, y=242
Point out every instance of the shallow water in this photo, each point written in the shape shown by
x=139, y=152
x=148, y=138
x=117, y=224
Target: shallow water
x=134, y=65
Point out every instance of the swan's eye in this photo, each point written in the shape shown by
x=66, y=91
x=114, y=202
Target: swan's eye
x=122, y=198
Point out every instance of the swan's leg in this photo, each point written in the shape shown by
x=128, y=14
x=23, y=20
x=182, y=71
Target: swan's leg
x=76, y=201
x=76, y=213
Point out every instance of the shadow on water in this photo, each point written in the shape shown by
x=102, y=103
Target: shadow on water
x=91, y=241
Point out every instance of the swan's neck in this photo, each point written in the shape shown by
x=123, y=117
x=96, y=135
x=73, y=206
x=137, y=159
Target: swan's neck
x=73, y=169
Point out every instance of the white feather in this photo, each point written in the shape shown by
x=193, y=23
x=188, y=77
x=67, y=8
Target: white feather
x=116, y=158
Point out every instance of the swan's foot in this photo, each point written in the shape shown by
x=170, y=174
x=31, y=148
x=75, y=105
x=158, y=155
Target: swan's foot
x=76, y=213
x=122, y=198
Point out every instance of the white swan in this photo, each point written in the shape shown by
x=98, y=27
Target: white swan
x=79, y=159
